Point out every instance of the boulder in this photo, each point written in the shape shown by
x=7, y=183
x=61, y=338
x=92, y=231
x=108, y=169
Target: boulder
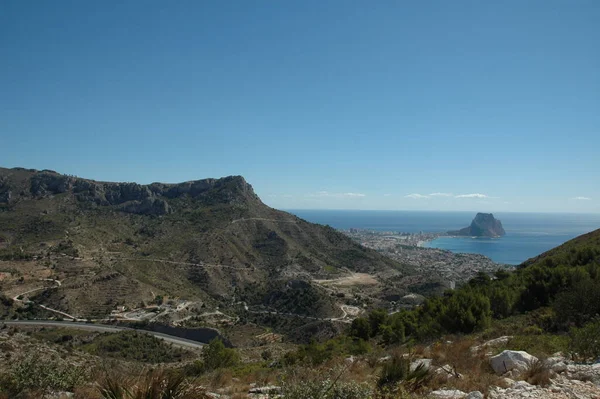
x=474, y=395
x=425, y=362
x=447, y=394
x=557, y=364
x=511, y=360
x=584, y=372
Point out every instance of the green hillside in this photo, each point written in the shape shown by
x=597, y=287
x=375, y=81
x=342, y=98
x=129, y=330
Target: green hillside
x=564, y=282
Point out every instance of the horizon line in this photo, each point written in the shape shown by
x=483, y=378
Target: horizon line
x=431, y=210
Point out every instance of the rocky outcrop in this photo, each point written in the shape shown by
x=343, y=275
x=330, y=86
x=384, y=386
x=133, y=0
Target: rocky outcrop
x=447, y=394
x=511, y=360
x=152, y=199
x=560, y=388
x=484, y=225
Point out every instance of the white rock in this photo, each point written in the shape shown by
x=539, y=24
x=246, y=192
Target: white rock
x=557, y=364
x=508, y=381
x=425, y=362
x=511, y=360
x=447, y=372
x=522, y=385
x=269, y=389
x=474, y=395
x=349, y=360
x=61, y=395
x=447, y=394
x=584, y=372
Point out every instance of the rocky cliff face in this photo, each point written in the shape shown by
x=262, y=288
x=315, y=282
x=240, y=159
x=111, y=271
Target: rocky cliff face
x=153, y=199
x=484, y=225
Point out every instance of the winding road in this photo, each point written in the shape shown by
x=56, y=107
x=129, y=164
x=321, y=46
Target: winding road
x=102, y=328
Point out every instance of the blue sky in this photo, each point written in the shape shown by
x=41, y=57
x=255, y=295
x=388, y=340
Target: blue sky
x=319, y=104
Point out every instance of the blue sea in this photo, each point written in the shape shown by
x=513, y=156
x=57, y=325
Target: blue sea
x=527, y=234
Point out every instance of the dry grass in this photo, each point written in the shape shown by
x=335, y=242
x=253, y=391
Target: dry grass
x=473, y=369
x=538, y=373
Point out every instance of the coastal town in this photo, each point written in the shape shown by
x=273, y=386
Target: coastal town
x=409, y=249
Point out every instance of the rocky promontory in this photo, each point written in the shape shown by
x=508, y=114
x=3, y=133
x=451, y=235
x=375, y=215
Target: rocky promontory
x=484, y=225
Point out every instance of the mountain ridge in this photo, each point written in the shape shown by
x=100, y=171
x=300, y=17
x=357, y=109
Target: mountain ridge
x=134, y=197
x=212, y=240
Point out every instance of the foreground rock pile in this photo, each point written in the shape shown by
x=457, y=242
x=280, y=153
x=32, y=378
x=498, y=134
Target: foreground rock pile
x=565, y=378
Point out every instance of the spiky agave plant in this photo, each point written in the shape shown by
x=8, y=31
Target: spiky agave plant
x=397, y=370
x=156, y=384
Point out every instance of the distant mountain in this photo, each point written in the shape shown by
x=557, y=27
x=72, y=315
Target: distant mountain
x=484, y=225
x=210, y=240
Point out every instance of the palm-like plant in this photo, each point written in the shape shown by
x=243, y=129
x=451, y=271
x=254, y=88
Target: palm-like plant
x=157, y=384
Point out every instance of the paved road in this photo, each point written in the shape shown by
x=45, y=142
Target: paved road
x=102, y=328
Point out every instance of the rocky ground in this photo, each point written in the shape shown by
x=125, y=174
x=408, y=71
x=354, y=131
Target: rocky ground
x=525, y=376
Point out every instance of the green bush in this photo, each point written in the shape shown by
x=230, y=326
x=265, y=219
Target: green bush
x=360, y=328
x=586, y=340
x=316, y=353
x=216, y=355
x=133, y=345
x=34, y=373
x=541, y=345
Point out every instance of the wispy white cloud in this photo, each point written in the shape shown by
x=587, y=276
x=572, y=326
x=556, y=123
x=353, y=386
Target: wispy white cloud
x=582, y=198
x=440, y=195
x=416, y=196
x=353, y=195
x=387, y=195
x=336, y=195
x=474, y=195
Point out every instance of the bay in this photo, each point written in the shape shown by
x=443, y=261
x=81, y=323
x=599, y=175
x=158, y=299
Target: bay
x=527, y=234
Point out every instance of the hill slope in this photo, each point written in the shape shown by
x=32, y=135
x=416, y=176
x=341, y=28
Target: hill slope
x=563, y=282
x=212, y=240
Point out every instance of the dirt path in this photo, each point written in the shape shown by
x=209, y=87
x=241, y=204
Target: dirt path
x=263, y=219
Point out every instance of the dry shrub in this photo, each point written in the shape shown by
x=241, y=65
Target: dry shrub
x=220, y=378
x=260, y=377
x=359, y=371
x=87, y=392
x=538, y=373
x=474, y=368
x=420, y=351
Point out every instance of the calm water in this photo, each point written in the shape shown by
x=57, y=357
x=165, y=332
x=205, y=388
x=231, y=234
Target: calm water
x=527, y=234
